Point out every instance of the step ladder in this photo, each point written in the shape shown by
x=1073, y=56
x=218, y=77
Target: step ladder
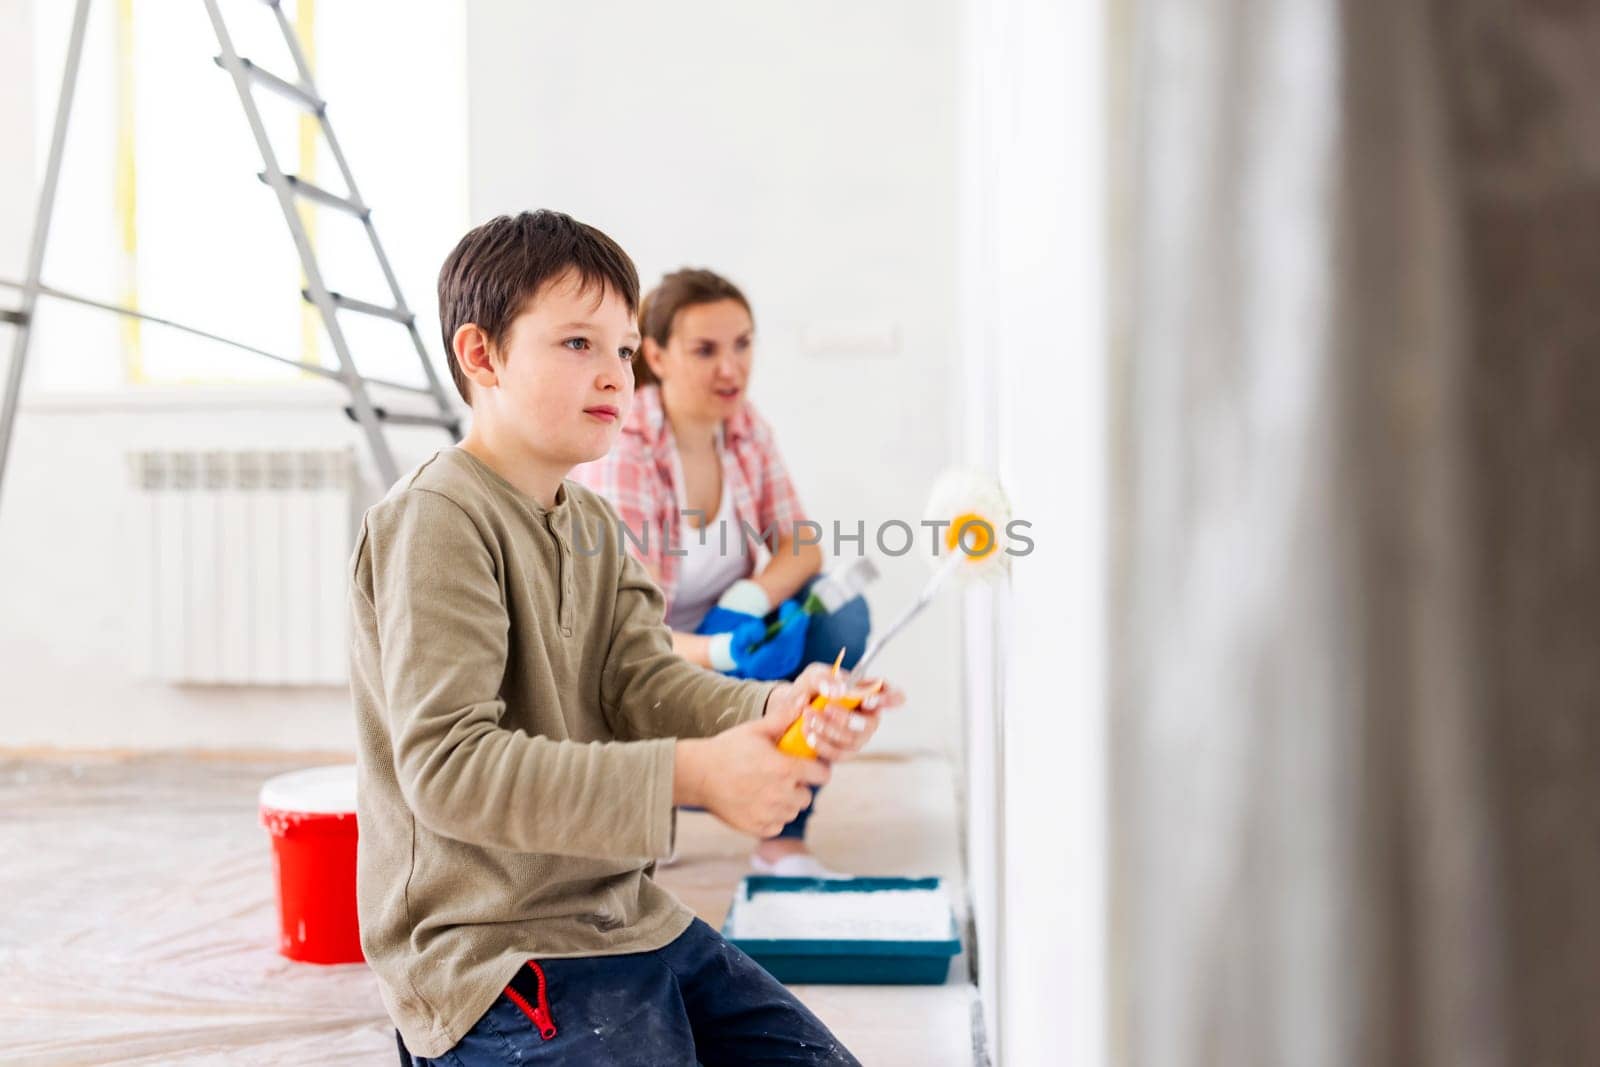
x=248, y=77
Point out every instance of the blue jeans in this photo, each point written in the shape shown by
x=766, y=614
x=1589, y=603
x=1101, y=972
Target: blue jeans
x=698, y=1000
x=846, y=628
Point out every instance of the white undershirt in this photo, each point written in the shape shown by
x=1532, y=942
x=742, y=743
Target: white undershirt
x=713, y=562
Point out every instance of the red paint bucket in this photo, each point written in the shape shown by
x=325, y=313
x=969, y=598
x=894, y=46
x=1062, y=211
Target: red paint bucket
x=311, y=816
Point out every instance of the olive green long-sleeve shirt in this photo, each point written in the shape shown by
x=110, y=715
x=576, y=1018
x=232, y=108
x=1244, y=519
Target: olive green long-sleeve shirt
x=516, y=698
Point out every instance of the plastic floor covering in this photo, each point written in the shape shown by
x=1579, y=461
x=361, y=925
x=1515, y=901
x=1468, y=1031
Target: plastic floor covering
x=138, y=923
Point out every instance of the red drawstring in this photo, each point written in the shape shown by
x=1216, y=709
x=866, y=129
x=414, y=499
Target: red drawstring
x=540, y=1015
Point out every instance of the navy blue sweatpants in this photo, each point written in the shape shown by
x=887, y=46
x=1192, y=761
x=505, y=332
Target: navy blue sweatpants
x=698, y=1000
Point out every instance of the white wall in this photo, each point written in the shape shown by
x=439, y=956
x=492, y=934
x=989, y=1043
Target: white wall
x=1034, y=291
x=70, y=644
x=808, y=151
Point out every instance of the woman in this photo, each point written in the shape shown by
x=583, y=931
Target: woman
x=697, y=479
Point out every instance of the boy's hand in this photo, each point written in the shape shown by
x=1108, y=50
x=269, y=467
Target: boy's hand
x=835, y=732
x=740, y=777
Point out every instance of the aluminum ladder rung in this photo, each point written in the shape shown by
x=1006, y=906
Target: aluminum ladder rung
x=406, y=418
x=291, y=192
x=362, y=307
x=313, y=191
x=247, y=78
x=272, y=83
x=390, y=383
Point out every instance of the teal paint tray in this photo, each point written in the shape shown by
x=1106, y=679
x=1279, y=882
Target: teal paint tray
x=853, y=960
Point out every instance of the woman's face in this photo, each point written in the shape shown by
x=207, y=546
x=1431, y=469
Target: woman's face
x=705, y=366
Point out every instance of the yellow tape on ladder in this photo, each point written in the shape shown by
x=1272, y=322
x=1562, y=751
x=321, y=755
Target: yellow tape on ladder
x=305, y=17
x=127, y=195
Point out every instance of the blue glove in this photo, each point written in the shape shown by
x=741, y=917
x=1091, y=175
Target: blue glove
x=740, y=602
x=723, y=621
x=731, y=645
x=745, y=651
x=780, y=656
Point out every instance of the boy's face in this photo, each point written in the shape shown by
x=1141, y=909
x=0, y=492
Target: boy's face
x=563, y=381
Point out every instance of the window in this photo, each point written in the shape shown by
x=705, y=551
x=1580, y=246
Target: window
x=159, y=206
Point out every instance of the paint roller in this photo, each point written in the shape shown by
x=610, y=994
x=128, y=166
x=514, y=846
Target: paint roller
x=975, y=508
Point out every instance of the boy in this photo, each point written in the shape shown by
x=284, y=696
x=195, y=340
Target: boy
x=525, y=730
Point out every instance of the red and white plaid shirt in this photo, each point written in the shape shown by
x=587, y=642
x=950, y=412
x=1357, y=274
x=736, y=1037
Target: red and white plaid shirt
x=639, y=477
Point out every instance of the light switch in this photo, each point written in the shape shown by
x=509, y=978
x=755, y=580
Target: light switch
x=850, y=338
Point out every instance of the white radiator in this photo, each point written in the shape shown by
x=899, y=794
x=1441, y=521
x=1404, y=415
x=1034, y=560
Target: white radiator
x=244, y=558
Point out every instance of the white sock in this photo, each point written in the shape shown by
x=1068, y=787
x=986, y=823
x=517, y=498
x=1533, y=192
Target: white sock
x=795, y=865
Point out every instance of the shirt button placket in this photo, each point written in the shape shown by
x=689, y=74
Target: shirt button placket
x=564, y=555
x=567, y=601
x=568, y=586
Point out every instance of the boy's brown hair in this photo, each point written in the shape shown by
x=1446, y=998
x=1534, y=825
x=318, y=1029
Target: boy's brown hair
x=498, y=267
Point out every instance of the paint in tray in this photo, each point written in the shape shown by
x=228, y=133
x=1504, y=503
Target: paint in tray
x=848, y=930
